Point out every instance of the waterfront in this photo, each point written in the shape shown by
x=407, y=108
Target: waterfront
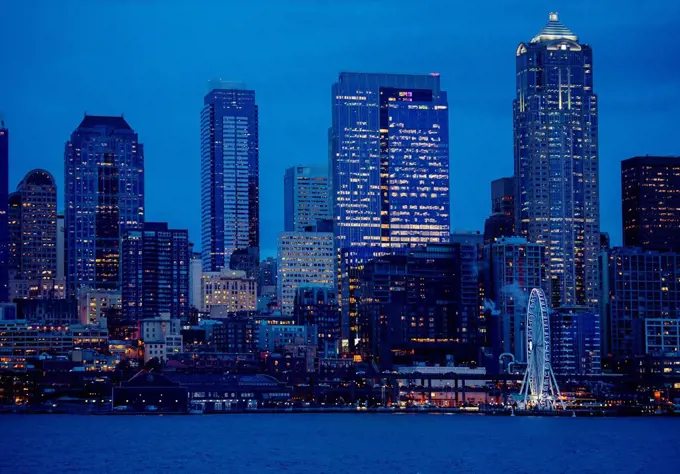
x=318, y=443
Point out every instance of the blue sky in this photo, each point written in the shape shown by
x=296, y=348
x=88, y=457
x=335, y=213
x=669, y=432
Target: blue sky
x=151, y=60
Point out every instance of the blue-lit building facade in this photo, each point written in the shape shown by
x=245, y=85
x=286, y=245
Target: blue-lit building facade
x=576, y=341
x=4, y=191
x=156, y=262
x=556, y=159
x=305, y=197
x=389, y=160
x=103, y=198
x=389, y=174
x=229, y=175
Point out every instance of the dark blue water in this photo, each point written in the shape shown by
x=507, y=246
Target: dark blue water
x=337, y=443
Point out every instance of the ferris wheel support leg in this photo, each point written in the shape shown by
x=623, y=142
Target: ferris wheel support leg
x=556, y=391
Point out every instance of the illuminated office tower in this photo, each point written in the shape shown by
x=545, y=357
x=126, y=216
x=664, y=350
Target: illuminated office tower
x=305, y=197
x=103, y=198
x=33, y=224
x=556, y=159
x=650, y=186
x=230, y=216
x=389, y=160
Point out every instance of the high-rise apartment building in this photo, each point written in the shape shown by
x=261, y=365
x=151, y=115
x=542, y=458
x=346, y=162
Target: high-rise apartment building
x=155, y=261
x=4, y=191
x=556, y=159
x=230, y=216
x=575, y=341
x=103, y=198
x=650, y=188
x=304, y=259
x=389, y=160
x=305, y=197
x=33, y=224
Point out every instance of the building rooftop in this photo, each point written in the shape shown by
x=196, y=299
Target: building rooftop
x=554, y=30
x=94, y=121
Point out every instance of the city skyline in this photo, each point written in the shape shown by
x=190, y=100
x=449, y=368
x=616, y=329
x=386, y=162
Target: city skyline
x=174, y=191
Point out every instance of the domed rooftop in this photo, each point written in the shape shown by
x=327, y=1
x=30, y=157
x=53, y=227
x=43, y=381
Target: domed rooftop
x=37, y=177
x=554, y=30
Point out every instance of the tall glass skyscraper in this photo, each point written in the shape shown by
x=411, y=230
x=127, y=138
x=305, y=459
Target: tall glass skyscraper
x=389, y=160
x=556, y=159
x=230, y=203
x=4, y=191
x=103, y=198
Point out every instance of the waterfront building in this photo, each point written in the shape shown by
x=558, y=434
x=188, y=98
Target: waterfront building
x=556, y=159
x=643, y=284
x=576, y=341
x=103, y=198
x=229, y=174
x=4, y=194
x=155, y=268
x=650, y=204
x=317, y=306
x=228, y=292
x=305, y=197
x=515, y=267
x=304, y=259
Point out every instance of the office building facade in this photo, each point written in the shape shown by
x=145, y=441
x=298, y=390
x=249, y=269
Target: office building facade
x=228, y=292
x=230, y=206
x=103, y=198
x=556, y=159
x=389, y=160
x=650, y=204
x=156, y=263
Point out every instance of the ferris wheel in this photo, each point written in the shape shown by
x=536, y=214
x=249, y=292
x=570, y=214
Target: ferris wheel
x=539, y=387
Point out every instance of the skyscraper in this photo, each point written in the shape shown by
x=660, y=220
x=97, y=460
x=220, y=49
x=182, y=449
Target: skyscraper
x=650, y=188
x=305, y=197
x=33, y=241
x=155, y=267
x=389, y=160
x=103, y=198
x=230, y=215
x=4, y=191
x=556, y=159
